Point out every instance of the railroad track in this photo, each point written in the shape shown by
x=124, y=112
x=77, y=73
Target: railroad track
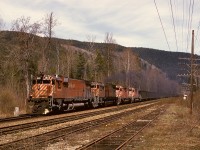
x=45, y=123
x=17, y=118
x=120, y=138
x=52, y=136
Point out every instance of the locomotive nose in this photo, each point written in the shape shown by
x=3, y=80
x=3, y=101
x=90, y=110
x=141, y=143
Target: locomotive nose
x=38, y=87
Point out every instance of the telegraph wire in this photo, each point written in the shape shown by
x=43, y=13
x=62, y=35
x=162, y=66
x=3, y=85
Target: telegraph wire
x=191, y=8
x=162, y=25
x=183, y=17
x=197, y=44
x=174, y=25
x=187, y=40
x=197, y=33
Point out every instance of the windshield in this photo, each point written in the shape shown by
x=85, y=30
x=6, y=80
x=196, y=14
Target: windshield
x=41, y=81
x=46, y=81
x=93, y=86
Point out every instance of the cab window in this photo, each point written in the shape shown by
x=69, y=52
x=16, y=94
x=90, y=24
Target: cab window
x=59, y=84
x=93, y=86
x=65, y=84
x=37, y=81
x=46, y=81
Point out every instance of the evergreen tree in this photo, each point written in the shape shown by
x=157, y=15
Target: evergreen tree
x=100, y=68
x=80, y=66
x=88, y=73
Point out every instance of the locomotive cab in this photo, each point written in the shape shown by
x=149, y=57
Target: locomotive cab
x=42, y=87
x=42, y=90
x=119, y=94
x=98, y=92
x=132, y=94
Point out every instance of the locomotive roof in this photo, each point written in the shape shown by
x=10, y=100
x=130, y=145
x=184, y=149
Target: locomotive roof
x=97, y=83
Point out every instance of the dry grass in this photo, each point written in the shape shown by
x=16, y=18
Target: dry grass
x=196, y=103
x=176, y=129
x=8, y=101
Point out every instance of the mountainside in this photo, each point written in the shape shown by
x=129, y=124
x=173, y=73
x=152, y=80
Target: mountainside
x=164, y=60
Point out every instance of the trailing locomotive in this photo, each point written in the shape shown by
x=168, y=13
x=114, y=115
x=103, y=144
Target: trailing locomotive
x=51, y=93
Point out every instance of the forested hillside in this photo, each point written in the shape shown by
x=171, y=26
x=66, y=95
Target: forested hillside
x=23, y=55
x=166, y=61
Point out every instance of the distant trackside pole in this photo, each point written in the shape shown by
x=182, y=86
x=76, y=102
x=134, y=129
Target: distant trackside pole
x=192, y=75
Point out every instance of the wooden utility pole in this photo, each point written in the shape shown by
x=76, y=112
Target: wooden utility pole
x=191, y=68
x=192, y=73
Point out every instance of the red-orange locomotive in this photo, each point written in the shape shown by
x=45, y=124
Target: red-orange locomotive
x=51, y=93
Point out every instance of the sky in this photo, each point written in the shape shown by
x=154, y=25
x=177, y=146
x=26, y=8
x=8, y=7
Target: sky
x=133, y=23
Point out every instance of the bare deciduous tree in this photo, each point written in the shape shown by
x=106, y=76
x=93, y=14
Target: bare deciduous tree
x=68, y=60
x=90, y=62
x=110, y=42
x=49, y=22
x=91, y=42
x=26, y=32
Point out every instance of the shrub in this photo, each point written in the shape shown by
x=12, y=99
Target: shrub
x=8, y=102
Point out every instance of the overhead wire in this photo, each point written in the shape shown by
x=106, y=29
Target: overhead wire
x=181, y=27
x=196, y=36
x=187, y=40
x=162, y=25
x=174, y=25
x=191, y=8
x=183, y=21
x=197, y=45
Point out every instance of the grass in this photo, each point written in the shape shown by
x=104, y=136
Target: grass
x=8, y=101
x=176, y=129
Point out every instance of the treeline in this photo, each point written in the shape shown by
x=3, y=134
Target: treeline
x=23, y=54
x=168, y=62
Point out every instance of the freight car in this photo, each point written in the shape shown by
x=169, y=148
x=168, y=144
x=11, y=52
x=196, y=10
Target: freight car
x=148, y=95
x=57, y=93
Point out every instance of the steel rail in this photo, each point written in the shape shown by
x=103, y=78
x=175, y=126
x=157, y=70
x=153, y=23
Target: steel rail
x=94, y=144
x=45, y=123
x=63, y=132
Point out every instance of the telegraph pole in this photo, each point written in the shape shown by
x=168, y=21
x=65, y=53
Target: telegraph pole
x=192, y=73
x=191, y=66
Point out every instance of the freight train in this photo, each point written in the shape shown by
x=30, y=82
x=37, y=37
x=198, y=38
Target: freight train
x=51, y=93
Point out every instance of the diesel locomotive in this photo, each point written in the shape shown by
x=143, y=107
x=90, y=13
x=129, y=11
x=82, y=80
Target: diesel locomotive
x=58, y=93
